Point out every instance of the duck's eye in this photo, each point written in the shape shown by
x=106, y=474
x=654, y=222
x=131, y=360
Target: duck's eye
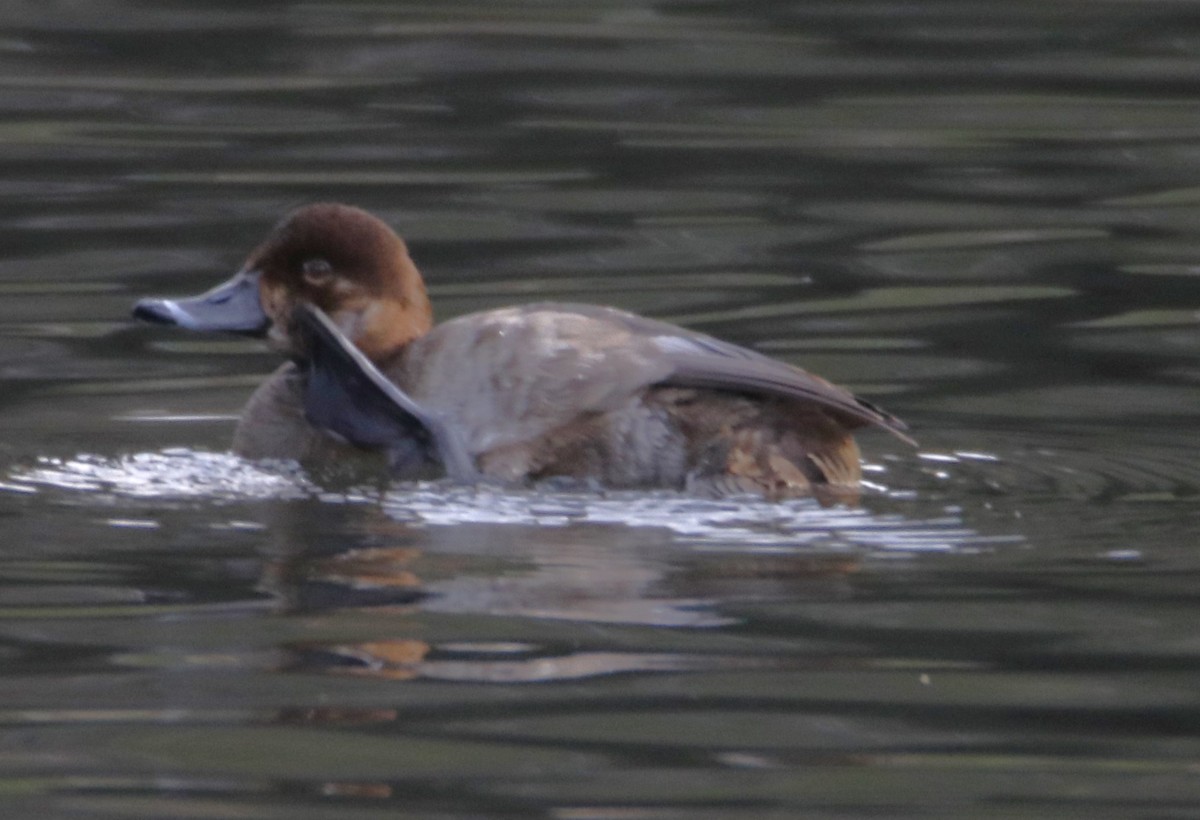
x=317, y=271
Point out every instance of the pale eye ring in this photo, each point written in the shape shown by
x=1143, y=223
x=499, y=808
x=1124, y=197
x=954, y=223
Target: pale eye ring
x=317, y=271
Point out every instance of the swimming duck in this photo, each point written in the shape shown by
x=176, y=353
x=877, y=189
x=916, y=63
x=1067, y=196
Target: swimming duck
x=515, y=394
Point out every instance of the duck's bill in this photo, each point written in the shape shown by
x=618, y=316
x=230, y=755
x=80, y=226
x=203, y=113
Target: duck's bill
x=232, y=306
x=348, y=396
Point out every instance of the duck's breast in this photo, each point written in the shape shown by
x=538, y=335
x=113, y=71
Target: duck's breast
x=273, y=424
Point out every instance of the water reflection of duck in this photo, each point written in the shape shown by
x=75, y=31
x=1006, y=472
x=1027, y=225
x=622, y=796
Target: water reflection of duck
x=543, y=575
x=527, y=392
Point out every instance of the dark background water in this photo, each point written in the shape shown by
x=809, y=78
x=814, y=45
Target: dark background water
x=981, y=215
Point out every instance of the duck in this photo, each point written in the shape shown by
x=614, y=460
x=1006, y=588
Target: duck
x=513, y=395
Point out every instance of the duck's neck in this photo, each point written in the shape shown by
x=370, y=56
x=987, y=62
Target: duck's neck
x=389, y=324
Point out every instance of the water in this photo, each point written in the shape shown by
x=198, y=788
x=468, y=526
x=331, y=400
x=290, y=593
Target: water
x=981, y=216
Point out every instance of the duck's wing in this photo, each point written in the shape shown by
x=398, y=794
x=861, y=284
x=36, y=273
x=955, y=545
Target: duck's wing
x=698, y=363
x=694, y=359
x=348, y=396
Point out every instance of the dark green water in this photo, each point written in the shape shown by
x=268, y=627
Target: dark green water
x=981, y=215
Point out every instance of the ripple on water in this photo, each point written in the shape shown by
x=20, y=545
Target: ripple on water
x=744, y=522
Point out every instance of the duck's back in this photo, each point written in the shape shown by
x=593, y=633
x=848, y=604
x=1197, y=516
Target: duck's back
x=510, y=375
x=586, y=391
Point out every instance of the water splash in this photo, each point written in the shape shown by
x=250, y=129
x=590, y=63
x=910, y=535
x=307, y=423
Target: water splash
x=172, y=474
x=745, y=522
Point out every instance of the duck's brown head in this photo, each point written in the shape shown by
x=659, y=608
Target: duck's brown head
x=352, y=266
x=336, y=257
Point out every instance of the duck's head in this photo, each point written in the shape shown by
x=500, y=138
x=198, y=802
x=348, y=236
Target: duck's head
x=336, y=257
